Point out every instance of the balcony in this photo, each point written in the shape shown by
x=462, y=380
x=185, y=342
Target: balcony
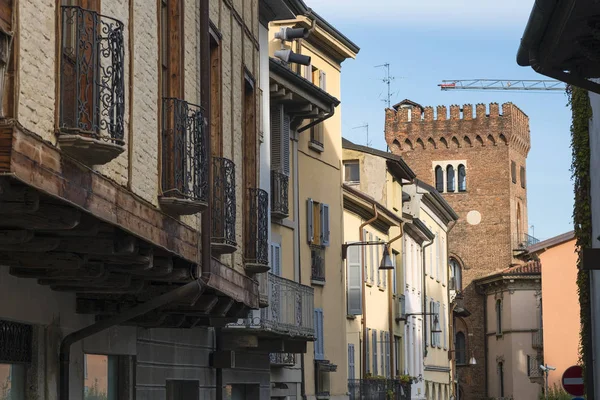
x=184, y=158
x=521, y=241
x=533, y=367
x=223, y=207
x=256, y=244
x=279, y=195
x=282, y=359
x=537, y=339
x=388, y=389
x=92, y=93
x=317, y=274
x=290, y=312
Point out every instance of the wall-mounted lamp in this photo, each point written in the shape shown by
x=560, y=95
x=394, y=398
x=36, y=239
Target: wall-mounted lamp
x=386, y=260
x=292, y=34
x=472, y=361
x=289, y=56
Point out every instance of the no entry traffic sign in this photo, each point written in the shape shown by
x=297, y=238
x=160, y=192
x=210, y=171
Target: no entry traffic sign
x=572, y=381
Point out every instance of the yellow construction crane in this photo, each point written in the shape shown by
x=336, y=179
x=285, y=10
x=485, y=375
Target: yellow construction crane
x=503, y=85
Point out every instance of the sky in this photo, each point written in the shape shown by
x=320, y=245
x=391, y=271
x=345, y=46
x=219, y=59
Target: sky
x=428, y=41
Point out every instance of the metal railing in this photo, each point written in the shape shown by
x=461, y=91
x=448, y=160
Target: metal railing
x=537, y=339
x=91, y=75
x=378, y=389
x=282, y=359
x=256, y=246
x=317, y=264
x=184, y=155
x=279, y=195
x=223, y=204
x=533, y=366
x=521, y=241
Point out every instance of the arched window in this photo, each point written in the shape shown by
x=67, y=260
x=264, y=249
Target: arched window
x=455, y=274
x=450, y=179
x=461, y=349
x=462, y=178
x=498, y=317
x=439, y=179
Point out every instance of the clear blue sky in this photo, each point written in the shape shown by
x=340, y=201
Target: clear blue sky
x=431, y=40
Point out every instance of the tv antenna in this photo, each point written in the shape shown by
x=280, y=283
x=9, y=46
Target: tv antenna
x=388, y=81
x=365, y=125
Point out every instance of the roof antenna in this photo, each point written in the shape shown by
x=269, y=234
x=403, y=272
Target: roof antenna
x=365, y=125
x=388, y=81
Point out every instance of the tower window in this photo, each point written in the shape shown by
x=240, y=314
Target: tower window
x=462, y=178
x=450, y=178
x=513, y=171
x=439, y=179
x=498, y=317
x=522, y=173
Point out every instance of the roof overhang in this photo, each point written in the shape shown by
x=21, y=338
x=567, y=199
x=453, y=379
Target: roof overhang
x=274, y=10
x=362, y=204
x=417, y=230
x=562, y=41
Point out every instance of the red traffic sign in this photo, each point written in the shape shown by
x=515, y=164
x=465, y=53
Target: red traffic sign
x=572, y=381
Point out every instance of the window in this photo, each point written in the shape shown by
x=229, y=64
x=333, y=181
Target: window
x=513, y=171
x=375, y=360
x=319, y=345
x=352, y=172
x=462, y=178
x=522, y=173
x=351, y=371
x=397, y=355
x=388, y=371
x=12, y=381
x=276, y=259
x=438, y=252
x=354, y=294
x=455, y=275
x=280, y=140
x=439, y=179
x=383, y=351
x=317, y=261
x=501, y=378
x=102, y=375
x=316, y=137
x=498, y=317
x=450, y=178
x=317, y=223
x=460, y=347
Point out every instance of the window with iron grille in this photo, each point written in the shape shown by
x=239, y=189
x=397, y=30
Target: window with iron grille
x=317, y=261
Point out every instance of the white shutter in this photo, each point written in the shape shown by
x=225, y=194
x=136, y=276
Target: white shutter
x=354, y=292
x=438, y=254
x=438, y=326
x=322, y=80
x=310, y=229
x=430, y=327
x=325, y=224
x=382, y=339
x=387, y=355
x=375, y=360
x=394, y=274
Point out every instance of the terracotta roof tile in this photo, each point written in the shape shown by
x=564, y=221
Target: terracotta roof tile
x=532, y=267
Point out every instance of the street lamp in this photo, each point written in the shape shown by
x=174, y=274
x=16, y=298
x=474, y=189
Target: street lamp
x=546, y=369
x=386, y=261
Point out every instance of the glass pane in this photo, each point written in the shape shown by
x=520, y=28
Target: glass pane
x=12, y=382
x=96, y=379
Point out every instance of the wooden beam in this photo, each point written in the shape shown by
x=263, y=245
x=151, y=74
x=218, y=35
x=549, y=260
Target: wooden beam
x=16, y=200
x=133, y=287
x=98, y=246
x=222, y=307
x=35, y=245
x=91, y=271
x=232, y=340
x=51, y=260
x=48, y=216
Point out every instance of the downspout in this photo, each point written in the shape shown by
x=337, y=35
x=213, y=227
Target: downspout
x=319, y=120
x=423, y=259
x=364, y=295
x=205, y=103
x=485, y=343
x=195, y=287
x=391, y=305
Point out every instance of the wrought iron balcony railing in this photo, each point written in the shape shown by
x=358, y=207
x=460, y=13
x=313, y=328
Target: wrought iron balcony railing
x=537, y=339
x=521, y=241
x=223, y=206
x=282, y=359
x=317, y=262
x=533, y=366
x=256, y=245
x=92, y=92
x=184, y=158
x=385, y=389
x=279, y=195
x=263, y=289
x=290, y=312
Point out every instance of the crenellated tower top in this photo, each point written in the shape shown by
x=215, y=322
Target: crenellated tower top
x=409, y=125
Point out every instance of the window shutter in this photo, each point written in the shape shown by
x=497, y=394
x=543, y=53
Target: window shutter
x=325, y=224
x=382, y=340
x=310, y=229
x=437, y=256
x=285, y=144
x=368, y=349
x=322, y=80
x=374, y=338
x=394, y=273
x=276, y=138
x=276, y=259
x=444, y=333
x=350, y=361
x=431, y=328
x=377, y=259
x=354, y=293
x=319, y=353
x=438, y=326
x=366, y=266
x=388, y=371
x=372, y=273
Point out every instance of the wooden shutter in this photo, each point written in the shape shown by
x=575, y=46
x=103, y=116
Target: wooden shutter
x=325, y=224
x=319, y=353
x=285, y=144
x=276, y=139
x=368, y=351
x=375, y=360
x=310, y=229
x=350, y=361
x=354, y=292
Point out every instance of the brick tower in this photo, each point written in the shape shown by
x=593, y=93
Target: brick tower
x=478, y=163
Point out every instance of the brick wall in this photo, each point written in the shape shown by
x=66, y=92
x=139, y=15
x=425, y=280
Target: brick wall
x=487, y=142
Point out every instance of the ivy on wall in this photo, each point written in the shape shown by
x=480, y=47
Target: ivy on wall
x=582, y=213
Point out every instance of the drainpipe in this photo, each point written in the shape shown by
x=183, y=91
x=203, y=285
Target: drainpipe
x=391, y=306
x=364, y=296
x=424, y=297
x=195, y=287
x=485, y=343
x=205, y=103
x=319, y=120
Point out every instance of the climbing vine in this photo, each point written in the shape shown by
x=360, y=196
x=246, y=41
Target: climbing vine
x=582, y=211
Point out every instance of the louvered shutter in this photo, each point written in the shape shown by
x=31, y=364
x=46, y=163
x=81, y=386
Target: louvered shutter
x=430, y=327
x=372, y=273
x=366, y=260
x=387, y=355
x=354, y=293
x=319, y=353
x=325, y=224
x=276, y=139
x=276, y=259
x=310, y=229
x=368, y=351
x=377, y=260
x=350, y=361
x=444, y=332
x=382, y=339
x=375, y=360
x=439, y=324
x=285, y=145
x=322, y=80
